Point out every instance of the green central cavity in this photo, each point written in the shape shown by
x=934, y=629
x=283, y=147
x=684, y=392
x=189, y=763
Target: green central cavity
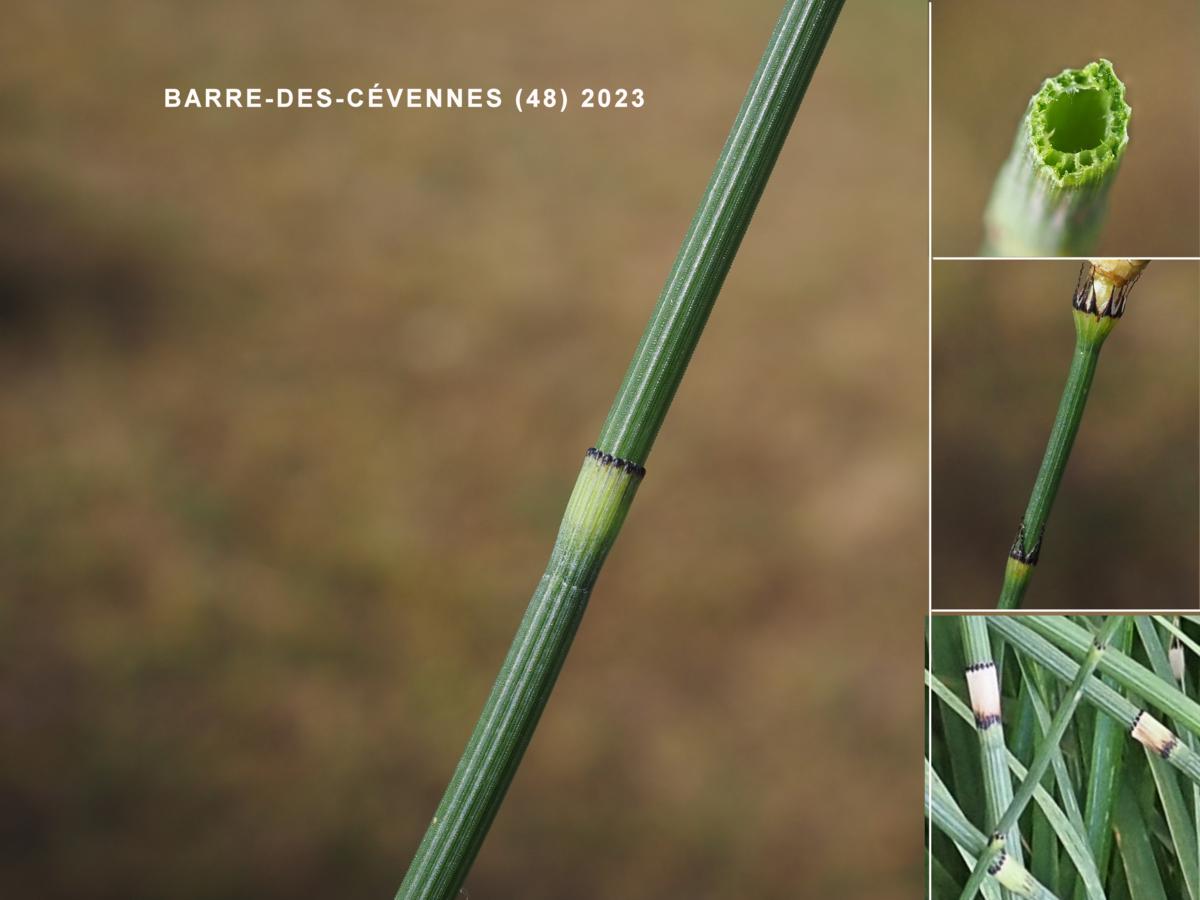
x=1077, y=120
x=1078, y=124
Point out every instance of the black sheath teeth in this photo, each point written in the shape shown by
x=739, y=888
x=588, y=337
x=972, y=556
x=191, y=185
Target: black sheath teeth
x=979, y=666
x=1085, y=294
x=1018, y=551
x=607, y=459
x=983, y=723
x=997, y=863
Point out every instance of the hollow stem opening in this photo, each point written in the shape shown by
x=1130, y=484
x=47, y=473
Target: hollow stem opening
x=1077, y=120
x=1077, y=125
x=1051, y=194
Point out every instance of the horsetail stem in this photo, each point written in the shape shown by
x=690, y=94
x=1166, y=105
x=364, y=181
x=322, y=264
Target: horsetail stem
x=1058, y=726
x=1098, y=302
x=949, y=819
x=1051, y=194
x=1107, y=761
x=984, y=689
x=612, y=470
x=1175, y=811
x=1123, y=669
x=717, y=229
x=1045, y=836
x=1138, y=723
x=1179, y=670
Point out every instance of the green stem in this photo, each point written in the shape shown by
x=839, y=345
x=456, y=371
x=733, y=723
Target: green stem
x=717, y=229
x=1107, y=761
x=1178, y=816
x=1024, y=554
x=1097, y=304
x=1123, y=669
x=1190, y=741
x=1058, y=725
x=1137, y=851
x=1052, y=192
x=611, y=471
x=1036, y=692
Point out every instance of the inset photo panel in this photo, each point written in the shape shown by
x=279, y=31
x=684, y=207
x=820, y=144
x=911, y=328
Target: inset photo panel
x=1066, y=130
x=1099, y=713
x=1065, y=421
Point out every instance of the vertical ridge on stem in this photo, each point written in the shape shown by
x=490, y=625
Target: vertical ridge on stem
x=718, y=227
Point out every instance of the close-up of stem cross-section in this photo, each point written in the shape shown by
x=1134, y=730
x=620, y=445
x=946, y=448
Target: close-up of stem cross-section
x=1051, y=195
x=613, y=468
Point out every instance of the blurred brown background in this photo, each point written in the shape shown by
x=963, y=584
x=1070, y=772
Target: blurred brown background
x=990, y=57
x=292, y=402
x=1123, y=532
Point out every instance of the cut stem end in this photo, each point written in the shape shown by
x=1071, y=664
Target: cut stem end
x=1051, y=194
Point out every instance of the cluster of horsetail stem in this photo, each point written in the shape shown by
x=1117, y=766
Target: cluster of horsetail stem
x=613, y=469
x=1138, y=835
x=1101, y=292
x=1090, y=883
x=1051, y=195
x=1023, y=633
x=1049, y=745
x=990, y=856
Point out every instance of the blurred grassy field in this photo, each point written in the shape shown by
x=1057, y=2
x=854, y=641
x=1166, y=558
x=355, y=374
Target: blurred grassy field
x=990, y=57
x=291, y=403
x=1124, y=529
